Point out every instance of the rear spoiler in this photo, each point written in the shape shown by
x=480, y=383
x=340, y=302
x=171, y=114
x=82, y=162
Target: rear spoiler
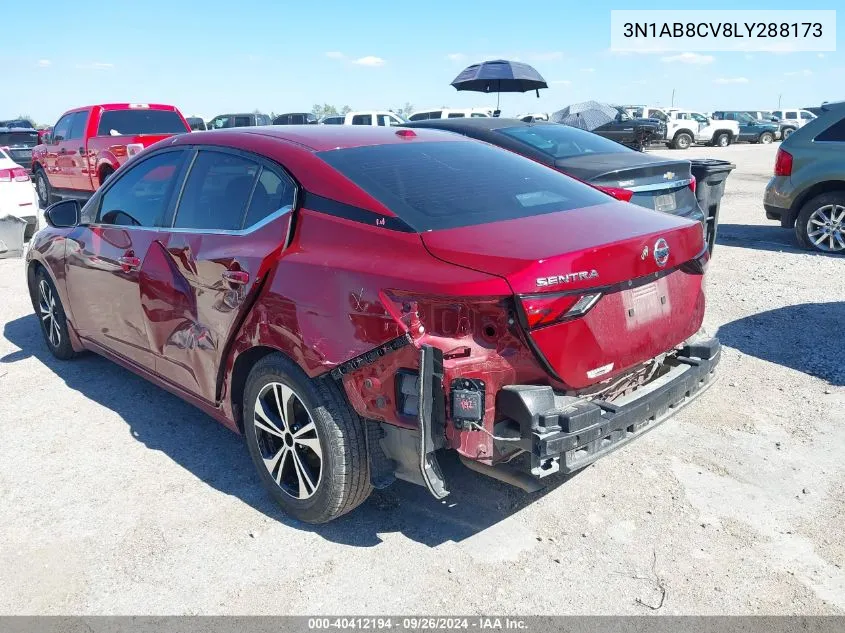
x=827, y=106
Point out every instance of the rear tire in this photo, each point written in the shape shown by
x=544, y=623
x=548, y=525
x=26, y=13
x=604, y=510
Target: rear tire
x=820, y=226
x=787, y=132
x=105, y=174
x=51, y=315
x=307, y=444
x=43, y=188
x=722, y=139
x=766, y=138
x=682, y=140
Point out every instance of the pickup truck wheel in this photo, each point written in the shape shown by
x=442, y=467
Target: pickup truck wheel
x=787, y=131
x=306, y=442
x=43, y=189
x=766, y=138
x=722, y=139
x=105, y=174
x=682, y=140
x=821, y=223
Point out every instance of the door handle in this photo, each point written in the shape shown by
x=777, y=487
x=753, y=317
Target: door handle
x=63, y=151
x=129, y=263
x=81, y=151
x=240, y=277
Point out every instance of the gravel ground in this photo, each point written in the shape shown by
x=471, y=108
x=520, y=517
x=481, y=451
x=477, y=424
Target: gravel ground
x=118, y=498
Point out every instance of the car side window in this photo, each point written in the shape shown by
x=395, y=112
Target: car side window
x=835, y=133
x=77, y=125
x=272, y=192
x=217, y=191
x=478, y=115
x=419, y=116
x=362, y=119
x=141, y=194
x=806, y=116
x=456, y=115
x=242, y=121
x=62, y=129
x=791, y=115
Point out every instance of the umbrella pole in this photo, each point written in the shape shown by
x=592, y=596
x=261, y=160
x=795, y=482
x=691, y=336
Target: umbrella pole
x=498, y=92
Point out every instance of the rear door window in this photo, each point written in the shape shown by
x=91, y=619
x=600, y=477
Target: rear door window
x=362, y=119
x=217, y=192
x=456, y=115
x=77, y=125
x=242, y=121
x=791, y=115
x=141, y=121
x=273, y=191
x=449, y=184
x=140, y=196
x=835, y=133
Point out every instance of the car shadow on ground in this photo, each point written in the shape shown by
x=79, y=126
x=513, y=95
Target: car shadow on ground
x=806, y=337
x=219, y=458
x=763, y=238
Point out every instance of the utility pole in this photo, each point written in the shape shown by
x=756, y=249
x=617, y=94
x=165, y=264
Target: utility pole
x=779, y=96
x=673, y=98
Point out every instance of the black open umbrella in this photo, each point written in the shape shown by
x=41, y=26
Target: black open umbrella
x=587, y=115
x=500, y=76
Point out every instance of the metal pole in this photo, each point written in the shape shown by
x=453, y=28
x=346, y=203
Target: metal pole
x=779, y=96
x=673, y=98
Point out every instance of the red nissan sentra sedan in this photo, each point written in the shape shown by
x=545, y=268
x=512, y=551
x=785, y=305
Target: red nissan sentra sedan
x=353, y=299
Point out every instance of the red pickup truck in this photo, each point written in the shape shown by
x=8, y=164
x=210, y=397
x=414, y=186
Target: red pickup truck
x=88, y=144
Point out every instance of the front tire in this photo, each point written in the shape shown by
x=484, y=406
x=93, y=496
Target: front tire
x=105, y=174
x=307, y=444
x=51, y=314
x=820, y=225
x=722, y=139
x=43, y=188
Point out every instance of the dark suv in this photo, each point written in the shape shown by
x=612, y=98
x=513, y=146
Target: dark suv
x=295, y=118
x=19, y=141
x=807, y=191
x=751, y=130
x=246, y=119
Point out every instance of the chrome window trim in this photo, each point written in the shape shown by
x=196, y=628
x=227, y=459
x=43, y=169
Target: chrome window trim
x=661, y=185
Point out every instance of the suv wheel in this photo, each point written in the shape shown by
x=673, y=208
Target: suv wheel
x=306, y=442
x=787, y=131
x=722, y=139
x=43, y=189
x=766, y=138
x=682, y=140
x=821, y=223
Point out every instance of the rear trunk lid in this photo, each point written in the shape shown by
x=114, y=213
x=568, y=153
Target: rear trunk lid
x=656, y=183
x=648, y=302
x=20, y=143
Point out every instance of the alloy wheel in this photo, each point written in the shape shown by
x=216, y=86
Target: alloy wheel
x=723, y=140
x=48, y=312
x=288, y=441
x=826, y=228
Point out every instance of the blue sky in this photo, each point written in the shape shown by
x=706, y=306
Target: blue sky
x=209, y=58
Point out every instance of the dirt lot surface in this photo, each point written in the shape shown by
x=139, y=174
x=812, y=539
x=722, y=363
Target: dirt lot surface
x=118, y=498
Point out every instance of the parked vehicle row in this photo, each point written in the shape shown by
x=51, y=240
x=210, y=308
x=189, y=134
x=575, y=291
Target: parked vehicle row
x=355, y=299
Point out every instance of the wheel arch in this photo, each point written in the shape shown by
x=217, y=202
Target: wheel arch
x=731, y=135
x=827, y=186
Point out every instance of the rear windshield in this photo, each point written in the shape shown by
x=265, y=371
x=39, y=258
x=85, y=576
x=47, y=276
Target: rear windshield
x=448, y=184
x=24, y=139
x=131, y=122
x=562, y=141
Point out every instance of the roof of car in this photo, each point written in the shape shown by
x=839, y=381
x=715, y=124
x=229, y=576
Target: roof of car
x=471, y=123
x=321, y=138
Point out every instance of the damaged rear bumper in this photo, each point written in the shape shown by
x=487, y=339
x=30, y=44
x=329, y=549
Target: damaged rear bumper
x=565, y=434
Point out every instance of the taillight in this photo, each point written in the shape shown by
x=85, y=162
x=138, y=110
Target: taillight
x=134, y=148
x=542, y=310
x=16, y=174
x=617, y=192
x=783, y=163
x=692, y=184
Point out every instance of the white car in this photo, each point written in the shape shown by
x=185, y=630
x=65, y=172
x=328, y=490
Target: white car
x=451, y=113
x=17, y=195
x=533, y=117
x=791, y=120
x=365, y=117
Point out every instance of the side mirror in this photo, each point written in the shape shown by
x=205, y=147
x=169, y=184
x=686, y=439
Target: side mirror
x=63, y=215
